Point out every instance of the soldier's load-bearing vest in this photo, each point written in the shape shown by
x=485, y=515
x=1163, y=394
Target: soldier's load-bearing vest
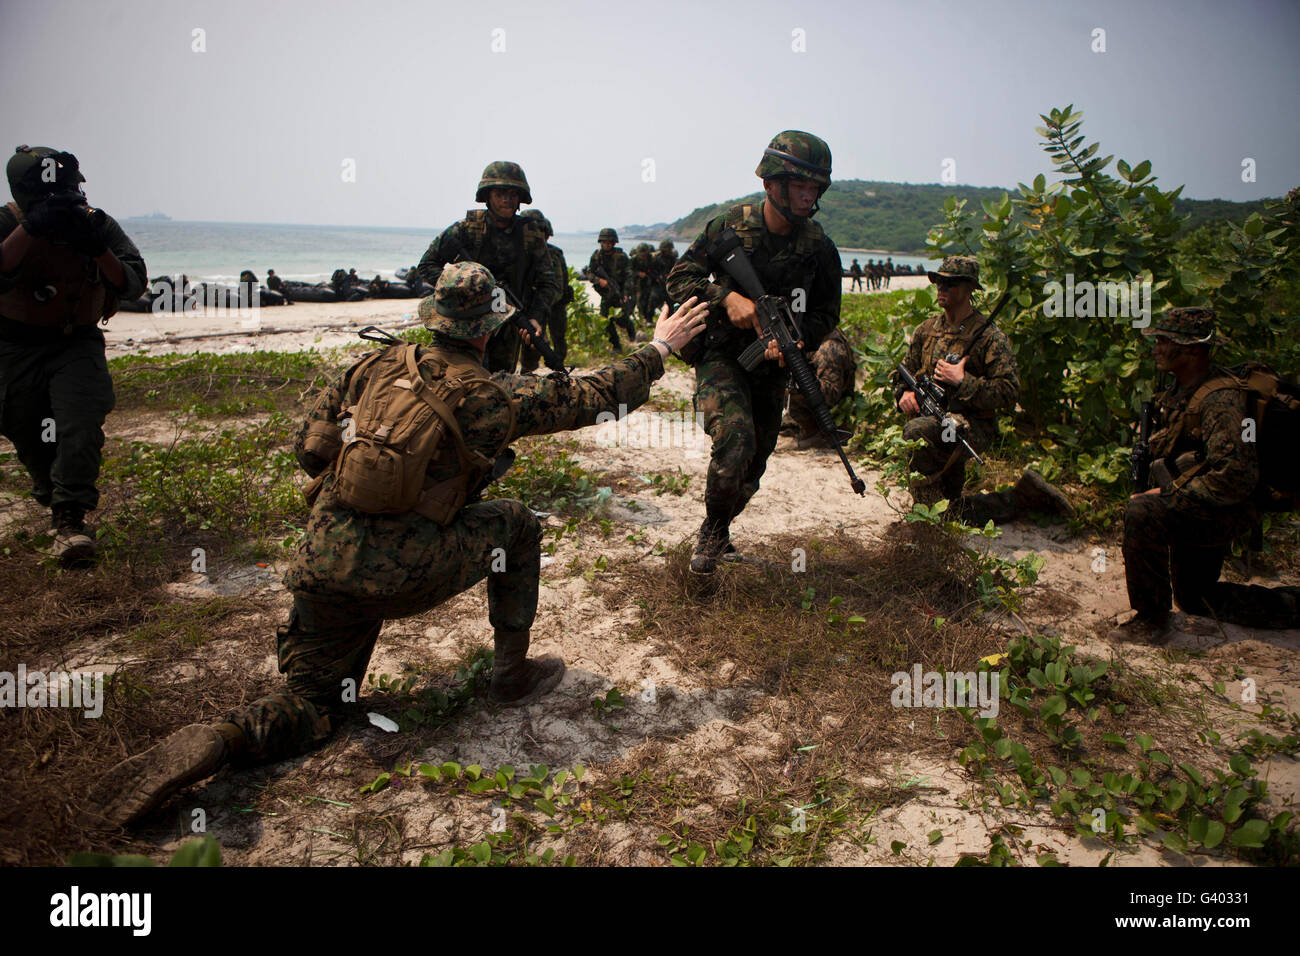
x=400, y=426
x=56, y=287
x=1273, y=403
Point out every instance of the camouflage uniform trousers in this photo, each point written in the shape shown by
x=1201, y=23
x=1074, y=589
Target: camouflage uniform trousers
x=557, y=325
x=655, y=300
x=353, y=572
x=835, y=368
x=1168, y=554
x=742, y=414
x=608, y=302
x=66, y=381
x=949, y=479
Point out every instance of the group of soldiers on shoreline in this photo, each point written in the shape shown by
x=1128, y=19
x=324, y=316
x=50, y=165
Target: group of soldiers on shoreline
x=876, y=274
x=401, y=446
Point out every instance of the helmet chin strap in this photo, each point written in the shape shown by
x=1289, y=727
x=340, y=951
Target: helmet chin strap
x=785, y=210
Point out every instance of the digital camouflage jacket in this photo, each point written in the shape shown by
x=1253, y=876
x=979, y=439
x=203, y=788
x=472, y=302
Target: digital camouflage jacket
x=991, y=383
x=1230, y=470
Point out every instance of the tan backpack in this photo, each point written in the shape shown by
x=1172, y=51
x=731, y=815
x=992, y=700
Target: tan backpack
x=397, y=428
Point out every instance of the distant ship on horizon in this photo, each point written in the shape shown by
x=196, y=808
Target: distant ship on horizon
x=155, y=215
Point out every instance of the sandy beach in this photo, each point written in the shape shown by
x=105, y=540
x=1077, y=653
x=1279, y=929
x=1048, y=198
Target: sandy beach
x=291, y=328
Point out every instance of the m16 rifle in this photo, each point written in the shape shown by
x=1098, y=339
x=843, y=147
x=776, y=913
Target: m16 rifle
x=776, y=321
x=1140, y=458
x=931, y=398
x=625, y=301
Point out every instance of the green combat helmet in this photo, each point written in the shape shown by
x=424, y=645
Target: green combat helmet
x=535, y=215
x=667, y=246
x=28, y=180
x=503, y=175
x=793, y=152
x=609, y=234
x=464, y=304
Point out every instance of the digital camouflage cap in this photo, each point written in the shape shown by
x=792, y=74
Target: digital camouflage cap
x=1185, y=326
x=30, y=178
x=503, y=175
x=609, y=234
x=793, y=152
x=958, y=267
x=535, y=215
x=465, y=303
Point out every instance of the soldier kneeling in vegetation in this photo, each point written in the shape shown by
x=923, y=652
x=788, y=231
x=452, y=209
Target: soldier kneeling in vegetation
x=1217, y=427
x=971, y=360
x=377, y=549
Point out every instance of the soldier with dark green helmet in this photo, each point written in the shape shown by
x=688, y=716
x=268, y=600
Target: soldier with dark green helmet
x=558, y=321
x=661, y=265
x=611, y=276
x=642, y=260
x=794, y=258
x=357, y=568
x=64, y=266
x=512, y=248
x=855, y=271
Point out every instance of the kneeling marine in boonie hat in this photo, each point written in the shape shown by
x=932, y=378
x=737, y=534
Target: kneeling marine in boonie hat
x=465, y=304
x=958, y=267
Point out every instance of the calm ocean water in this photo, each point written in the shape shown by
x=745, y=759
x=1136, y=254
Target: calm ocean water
x=218, y=251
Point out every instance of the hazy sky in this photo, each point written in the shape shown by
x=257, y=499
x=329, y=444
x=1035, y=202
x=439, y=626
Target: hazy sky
x=258, y=126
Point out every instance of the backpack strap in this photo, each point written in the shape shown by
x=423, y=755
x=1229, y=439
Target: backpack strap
x=1191, y=418
x=459, y=377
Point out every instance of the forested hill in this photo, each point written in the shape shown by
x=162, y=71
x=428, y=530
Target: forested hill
x=859, y=214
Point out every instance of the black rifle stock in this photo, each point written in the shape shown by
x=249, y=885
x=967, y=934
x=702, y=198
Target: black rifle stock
x=777, y=321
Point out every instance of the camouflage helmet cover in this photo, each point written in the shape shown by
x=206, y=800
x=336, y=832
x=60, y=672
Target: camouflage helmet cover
x=464, y=304
x=958, y=267
x=28, y=180
x=667, y=246
x=793, y=152
x=609, y=234
x=1185, y=326
x=503, y=175
x=535, y=215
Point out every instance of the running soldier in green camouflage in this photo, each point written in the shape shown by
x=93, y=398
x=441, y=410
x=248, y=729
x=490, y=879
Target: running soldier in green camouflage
x=642, y=262
x=660, y=266
x=835, y=367
x=513, y=249
x=1177, y=534
x=616, y=291
x=63, y=269
x=789, y=251
x=557, y=323
x=982, y=382
x=354, y=570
